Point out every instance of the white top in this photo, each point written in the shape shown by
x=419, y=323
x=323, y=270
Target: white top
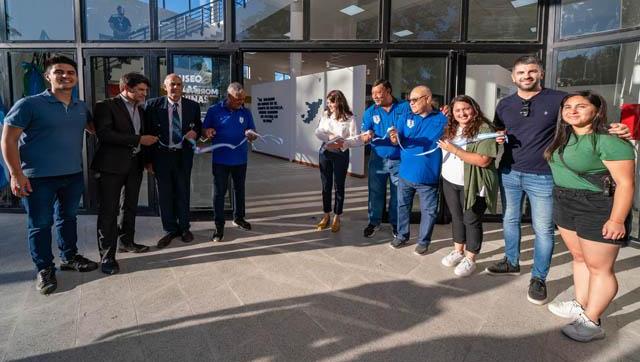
x=330, y=129
x=452, y=165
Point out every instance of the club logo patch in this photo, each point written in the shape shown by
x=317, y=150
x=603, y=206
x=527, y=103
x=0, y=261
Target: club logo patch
x=376, y=119
x=410, y=123
x=241, y=120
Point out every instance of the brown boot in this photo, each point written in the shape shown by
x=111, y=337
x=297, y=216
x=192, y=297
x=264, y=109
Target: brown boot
x=324, y=222
x=335, y=225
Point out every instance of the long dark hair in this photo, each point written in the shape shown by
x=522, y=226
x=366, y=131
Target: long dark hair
x=565, y=130
x=342, y=107
x=472, y=129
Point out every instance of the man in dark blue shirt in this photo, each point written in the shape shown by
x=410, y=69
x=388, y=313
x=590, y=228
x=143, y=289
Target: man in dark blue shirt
x=417, y=132
x=229, y=122
x=42, y=147
x=385, y=156
x=529, y=117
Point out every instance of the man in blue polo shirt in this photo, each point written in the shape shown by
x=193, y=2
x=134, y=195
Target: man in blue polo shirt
x=230, y=123
x=385, y=156
x=42, y=147
x=529, y=117
x=417, y=132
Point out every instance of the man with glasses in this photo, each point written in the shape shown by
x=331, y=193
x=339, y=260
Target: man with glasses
x=529, y=118
x=176, y=122
x=229, y=122
x=118, y=166
x=417, y=132
x=42, y=147
x=385, y=156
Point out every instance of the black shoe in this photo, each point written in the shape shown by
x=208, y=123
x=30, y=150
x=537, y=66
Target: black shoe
x=187, y=237
x=46, y=282
x=370, y=231
x=537, y=291
x=397, y=243
x=394, y=231
x=110, y=266
x=421, y=249
x=133, y=248
x=242, y=224
x=166, y=240
x=79, y=263
x=218, y=234
x=503, y=267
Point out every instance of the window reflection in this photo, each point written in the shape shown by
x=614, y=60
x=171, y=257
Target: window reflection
x=595, y=16
x=503, y=20
x=345, y=20
x=117, y=20
x=191, y=19
x=52, y=20
x=269, y=19
x=425, y=20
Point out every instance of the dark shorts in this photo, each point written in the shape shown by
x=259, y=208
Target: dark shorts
x=585, y=212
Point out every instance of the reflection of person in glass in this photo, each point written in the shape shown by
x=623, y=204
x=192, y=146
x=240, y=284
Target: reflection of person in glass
x=120, y=24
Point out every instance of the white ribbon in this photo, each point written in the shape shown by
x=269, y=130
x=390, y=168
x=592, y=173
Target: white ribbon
x=263, y=138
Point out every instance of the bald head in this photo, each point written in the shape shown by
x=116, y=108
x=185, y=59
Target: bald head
x=420, y=100
x=173, y=85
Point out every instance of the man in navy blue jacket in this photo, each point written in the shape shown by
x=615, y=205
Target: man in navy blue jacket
x=175, y=120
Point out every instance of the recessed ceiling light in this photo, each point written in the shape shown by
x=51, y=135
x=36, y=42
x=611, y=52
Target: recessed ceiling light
x=288, y=35
x=403, y=33
x=352, y=10
x=533, y=29
x=520, y=3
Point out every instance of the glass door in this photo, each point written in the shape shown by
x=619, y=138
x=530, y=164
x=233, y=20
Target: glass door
x=205, y=78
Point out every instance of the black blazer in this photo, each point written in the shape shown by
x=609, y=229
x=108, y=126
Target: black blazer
x=117, y=139
x=156, y=112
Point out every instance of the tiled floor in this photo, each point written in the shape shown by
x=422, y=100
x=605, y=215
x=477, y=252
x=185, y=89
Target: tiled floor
x=286, y=292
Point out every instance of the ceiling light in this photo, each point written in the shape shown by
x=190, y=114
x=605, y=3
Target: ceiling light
x=403, y=33
x=533, y=29
x=352, y=10
x=288, y=35
x=520, y=3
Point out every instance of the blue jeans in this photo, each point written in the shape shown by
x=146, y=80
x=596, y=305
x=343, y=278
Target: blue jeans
x=538, y=188
x=428, y=195
x=59, y=197
x=381, y=170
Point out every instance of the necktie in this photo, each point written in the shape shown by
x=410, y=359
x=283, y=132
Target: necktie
x=176, y=126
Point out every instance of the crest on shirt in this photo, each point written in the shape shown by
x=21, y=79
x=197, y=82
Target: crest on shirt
x=376, y=119
x=241, y=119
x=410, y=123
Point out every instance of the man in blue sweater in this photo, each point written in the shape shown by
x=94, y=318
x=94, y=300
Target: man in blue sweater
x=417, y=133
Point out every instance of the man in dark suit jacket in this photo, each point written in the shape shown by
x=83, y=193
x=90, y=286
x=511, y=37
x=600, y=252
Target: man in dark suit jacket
x=118, y=166
x=176, y=122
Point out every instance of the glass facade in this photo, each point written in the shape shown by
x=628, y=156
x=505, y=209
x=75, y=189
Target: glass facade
x=407, y=41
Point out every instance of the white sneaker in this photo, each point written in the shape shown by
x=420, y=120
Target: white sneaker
x=452, y=259
x=583, y=329
x=569, y=309
x=465, y=268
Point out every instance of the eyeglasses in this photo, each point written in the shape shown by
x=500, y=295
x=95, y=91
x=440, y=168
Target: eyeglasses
x=414, y=100
x=526, y=108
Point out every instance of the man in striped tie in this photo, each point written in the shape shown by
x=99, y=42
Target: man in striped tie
x=175, y=120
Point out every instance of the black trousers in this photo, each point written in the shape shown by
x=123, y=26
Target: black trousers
x=333, y=169
x=117, y=207
x=173, y=179
x=220, y=183
x=466, y=225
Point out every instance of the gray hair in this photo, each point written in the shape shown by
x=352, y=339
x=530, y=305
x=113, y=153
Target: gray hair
x=235, y=88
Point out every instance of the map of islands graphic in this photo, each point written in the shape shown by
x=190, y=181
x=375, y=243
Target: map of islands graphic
x=312, y=111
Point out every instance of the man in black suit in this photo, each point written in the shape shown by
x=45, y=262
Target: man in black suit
x=176, y=122
x=118, y=166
